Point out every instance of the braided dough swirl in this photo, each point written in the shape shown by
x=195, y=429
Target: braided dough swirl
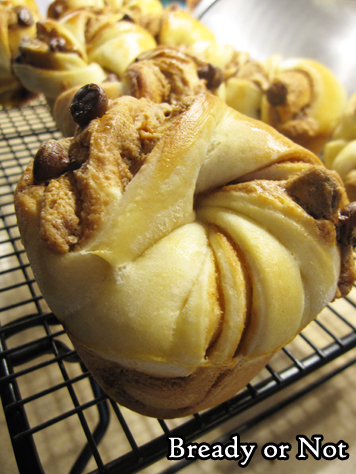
x=192, y=268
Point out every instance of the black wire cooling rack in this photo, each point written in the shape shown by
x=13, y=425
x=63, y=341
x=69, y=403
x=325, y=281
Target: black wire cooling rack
x=56, y=413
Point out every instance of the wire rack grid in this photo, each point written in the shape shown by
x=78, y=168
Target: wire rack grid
x=54, y=409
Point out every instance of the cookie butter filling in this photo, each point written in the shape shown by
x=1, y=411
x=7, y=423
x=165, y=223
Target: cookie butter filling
x=168, y=74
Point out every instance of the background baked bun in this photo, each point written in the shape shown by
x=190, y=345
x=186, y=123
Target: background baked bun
x=181, y=245
x=93, y=41
x=17, y=20
x=86, y=42
x=163, y=74
x=340, y=152
x=304, y=101
x=80, y=48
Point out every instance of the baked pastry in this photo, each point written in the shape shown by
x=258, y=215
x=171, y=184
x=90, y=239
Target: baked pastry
x=168, y=74
x=221, y=55
x=163, y=74
x=17, y=20
x=304, y=101
x=138, y=9
x=179, y=27
x=299, y=97
x=60, y=8
x=80, y=48
x=340, y=152
x=180, y=245
x=83, y=43
x=146, y=13
x=246, y=86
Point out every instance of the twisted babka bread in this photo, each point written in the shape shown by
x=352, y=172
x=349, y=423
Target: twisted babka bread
x=181, y=245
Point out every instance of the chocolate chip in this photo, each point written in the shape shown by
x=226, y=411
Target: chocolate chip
x=51, y=161
x=57, y=44
x=212, y=74
x=20, y=58
x=24, y=17
x=127, y=17
x=346, y=229
x=56, y=11
x=317, y=191
x=89, y=102
x=277, y=94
